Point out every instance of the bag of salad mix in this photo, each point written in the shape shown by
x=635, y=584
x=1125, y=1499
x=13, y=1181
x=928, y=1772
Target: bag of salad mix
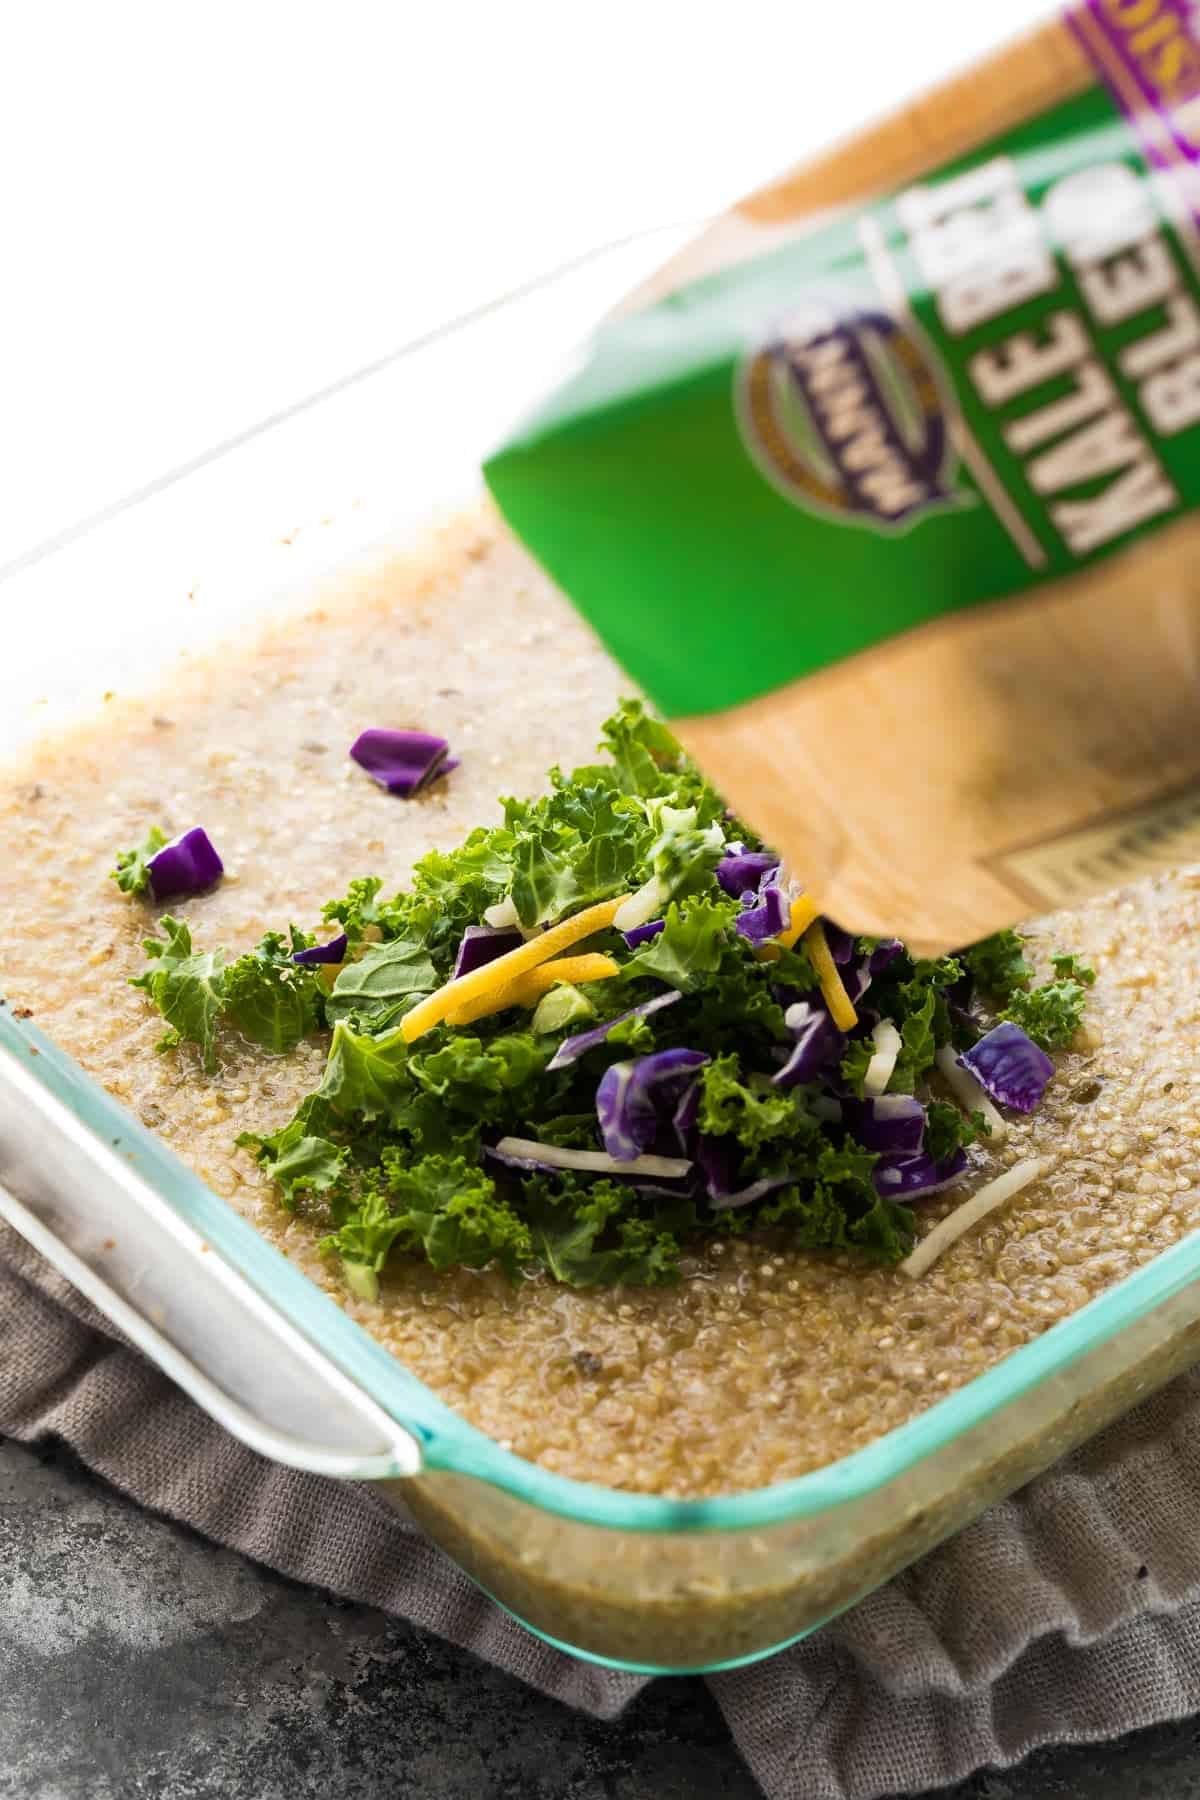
x=883, y=490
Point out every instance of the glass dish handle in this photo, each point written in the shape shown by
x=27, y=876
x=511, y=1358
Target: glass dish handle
x=84, y=1207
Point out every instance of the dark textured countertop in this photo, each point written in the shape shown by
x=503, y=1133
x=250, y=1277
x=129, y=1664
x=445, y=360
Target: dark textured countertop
x=137, y=1662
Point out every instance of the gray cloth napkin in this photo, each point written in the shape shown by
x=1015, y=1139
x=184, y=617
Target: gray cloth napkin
x=1069, y=1613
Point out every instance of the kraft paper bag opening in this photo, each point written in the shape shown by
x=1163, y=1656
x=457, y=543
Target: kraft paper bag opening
x=883, y=490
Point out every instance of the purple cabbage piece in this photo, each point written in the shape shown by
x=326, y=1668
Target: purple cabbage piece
x=894, y=1125
x=683, y=1119
x=630, y=1095
x=856, y=980
x=332, y=952
x=742, y=870
x=642, y=934
x=906, y=1178
x=1009, y=1066
x=818, y=1044
x=766, y=1184
x=858, y=975
x=185, y=866
x=841, y=943
x=403, y=762
x=765, y=917
x=715, y=1160
x=482, y=944
x=883, y=955
x=572, y=1048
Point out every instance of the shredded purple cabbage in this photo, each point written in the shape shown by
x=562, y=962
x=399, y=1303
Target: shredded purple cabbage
x=841, y=943
x=715, y=1159
x=332, y=952
x=403, y=762
x=818, y=1044
x=572, y=1048
x=482, y=944
x=683, y=1119
x=894, y=1125
x=765, y=916
x=883, y=955
x=741, y=871
x=185, y=866
x=907, y=1178
x=630, y=1095
x=1009, y=1066
x=642, y=934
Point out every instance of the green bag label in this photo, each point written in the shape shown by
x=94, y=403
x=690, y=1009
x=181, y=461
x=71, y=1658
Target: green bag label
x=987, y=380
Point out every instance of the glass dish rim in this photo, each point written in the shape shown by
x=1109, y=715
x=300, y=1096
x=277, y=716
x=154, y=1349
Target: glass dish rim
x=449, y=1443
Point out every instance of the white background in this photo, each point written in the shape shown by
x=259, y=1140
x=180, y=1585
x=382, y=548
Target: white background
x=210, y=211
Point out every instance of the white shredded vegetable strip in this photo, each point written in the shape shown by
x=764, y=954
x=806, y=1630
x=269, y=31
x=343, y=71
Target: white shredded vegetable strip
x=991, y=1195
x=502, y=914
x=888, y=1045
x=530, y=1150
x=969, y=1094
x=643, y=906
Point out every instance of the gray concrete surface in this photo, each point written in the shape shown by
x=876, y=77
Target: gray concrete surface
x=139, y=1663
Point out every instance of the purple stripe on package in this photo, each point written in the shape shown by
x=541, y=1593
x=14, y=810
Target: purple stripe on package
x=1147, y=53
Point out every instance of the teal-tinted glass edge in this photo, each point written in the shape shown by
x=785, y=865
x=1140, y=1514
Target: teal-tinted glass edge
x=449, y=1443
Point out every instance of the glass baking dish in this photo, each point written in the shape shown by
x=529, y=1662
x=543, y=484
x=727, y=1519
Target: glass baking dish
x=624, y=1579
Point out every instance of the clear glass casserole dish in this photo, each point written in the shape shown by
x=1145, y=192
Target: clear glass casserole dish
x=627, y=1579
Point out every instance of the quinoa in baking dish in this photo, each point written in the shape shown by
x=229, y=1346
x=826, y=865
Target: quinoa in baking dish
x=694, y=1272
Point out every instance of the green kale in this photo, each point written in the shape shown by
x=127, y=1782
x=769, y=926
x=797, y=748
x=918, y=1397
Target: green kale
x=1069, y=967
x=361, y=913
x=366, y=1077
x=366, y=1237
x=389, y=1152
x=752, y=1116
x=264, y=994
x=690, y=946
x=856, y=1062
x=837, y=1208
x=592, y=1235
x=296, y=1160
x=477, y=1078
x=646, y=756
x=381, y=985
x=1050, y=1014
x=948, y=1128
x=271, y=999
x=132, y=873
x=998, y=963
x=188, y=987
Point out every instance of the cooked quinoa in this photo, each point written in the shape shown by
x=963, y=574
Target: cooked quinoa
x=764, y=1362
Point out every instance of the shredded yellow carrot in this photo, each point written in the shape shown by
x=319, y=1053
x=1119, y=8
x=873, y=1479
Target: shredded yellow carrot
x=804, y=911
x=499, y=974
x=841, y=1007
x=528, y=989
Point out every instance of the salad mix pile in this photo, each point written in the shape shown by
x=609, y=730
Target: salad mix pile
x=605, y=1028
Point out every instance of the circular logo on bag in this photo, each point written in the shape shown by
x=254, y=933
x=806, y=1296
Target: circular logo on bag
x=845, y=412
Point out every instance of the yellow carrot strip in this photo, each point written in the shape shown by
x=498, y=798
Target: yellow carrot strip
x=591, y=966
x=804, y=911
x=505, y=969
x=528, y=989
x=841, y=1007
